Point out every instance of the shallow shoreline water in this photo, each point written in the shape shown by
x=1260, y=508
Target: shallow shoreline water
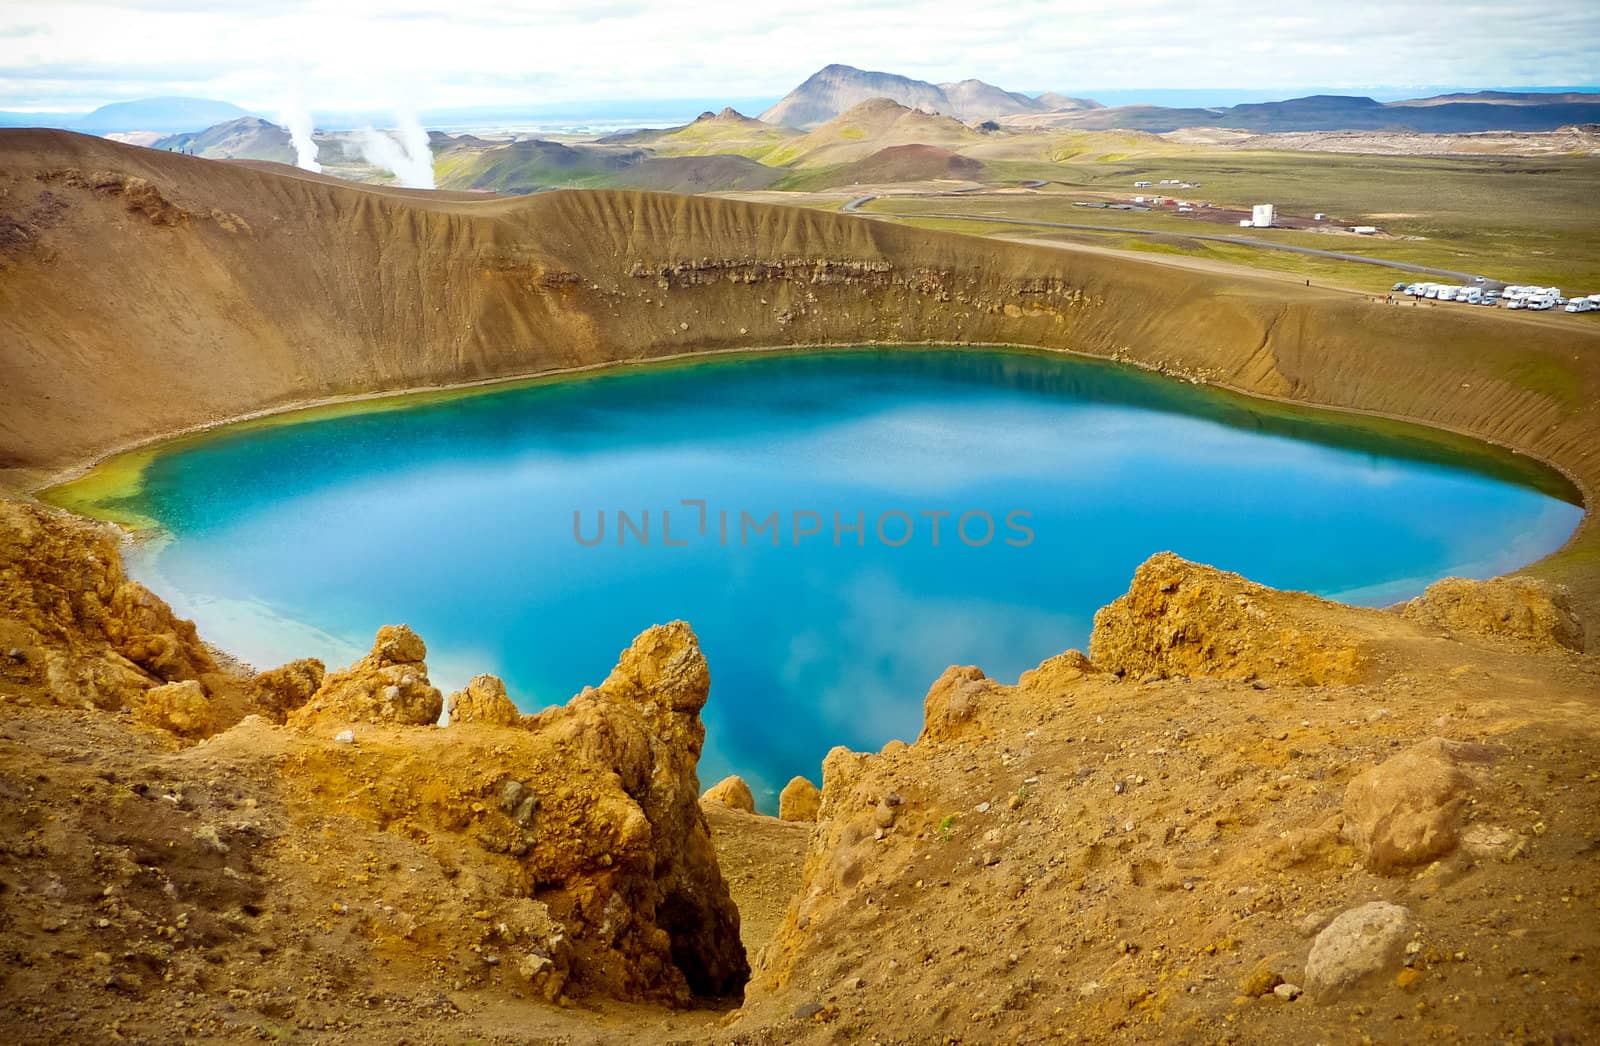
x=85, y=487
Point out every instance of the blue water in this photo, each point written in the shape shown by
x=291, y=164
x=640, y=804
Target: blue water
x=457, y=518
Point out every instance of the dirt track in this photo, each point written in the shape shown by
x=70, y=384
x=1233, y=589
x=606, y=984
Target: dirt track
x=1237, y=241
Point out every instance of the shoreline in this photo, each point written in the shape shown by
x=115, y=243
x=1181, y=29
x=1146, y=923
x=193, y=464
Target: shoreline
x=413, y=396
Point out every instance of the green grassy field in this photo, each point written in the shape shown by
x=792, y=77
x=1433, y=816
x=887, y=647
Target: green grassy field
x=1322, y=271
x=1511, y=218
x=1517, y=219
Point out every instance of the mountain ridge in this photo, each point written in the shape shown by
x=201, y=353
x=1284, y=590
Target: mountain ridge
x=1445, y=114
x=835, y=89
x=244, y=138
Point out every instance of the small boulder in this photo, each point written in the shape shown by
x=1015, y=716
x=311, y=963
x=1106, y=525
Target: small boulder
x=953, y=701
x=1182, y=618
x=1260, y=981
x=518, y=802
x=483, y=700
x=1525, y=609
x=281, y=690
x=731, y=792
x=181, y=708
x=398, y=645
x=1493, y=842
x=1360, y=943
x=664, y=665
x=799, y=801
x=389, y=686
x=145, y=631
x=1057, y=673
x=1407, y=810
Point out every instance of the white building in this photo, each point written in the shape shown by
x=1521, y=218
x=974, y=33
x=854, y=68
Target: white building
x=1262, y=215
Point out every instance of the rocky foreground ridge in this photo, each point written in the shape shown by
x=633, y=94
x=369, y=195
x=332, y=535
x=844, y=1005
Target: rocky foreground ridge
x=572, y=855
x=1245, y=815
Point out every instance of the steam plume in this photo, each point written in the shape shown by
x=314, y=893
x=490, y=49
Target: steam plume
x=298, y=121
x=405, y=151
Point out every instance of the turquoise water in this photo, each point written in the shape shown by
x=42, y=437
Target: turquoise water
x=457, y=517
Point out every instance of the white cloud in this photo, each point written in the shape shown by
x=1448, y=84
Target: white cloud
x=372, y=54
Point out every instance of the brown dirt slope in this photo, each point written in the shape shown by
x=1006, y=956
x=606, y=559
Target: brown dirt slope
x=692, y=174
x=236, y=288
x=864, y=129
x=907, y=163
x=1093, y=855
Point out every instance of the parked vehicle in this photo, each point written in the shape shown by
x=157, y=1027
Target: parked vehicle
x=1398, y=287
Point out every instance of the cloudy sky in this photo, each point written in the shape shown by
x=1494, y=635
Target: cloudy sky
x=264, y=54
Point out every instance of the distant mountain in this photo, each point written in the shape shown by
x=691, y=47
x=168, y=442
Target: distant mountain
x=247, y=138
x=897, y=165
x=1056, y=103
x=161, y=115
x=528, y=165
x=1504, y=98
x=728, y=115
x=1451, y=114
x=835, y=89
x=875, y=124
x=693, y=174
x=531, y=165
x=976, y=100
x=728, y=131
x=158, y=114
